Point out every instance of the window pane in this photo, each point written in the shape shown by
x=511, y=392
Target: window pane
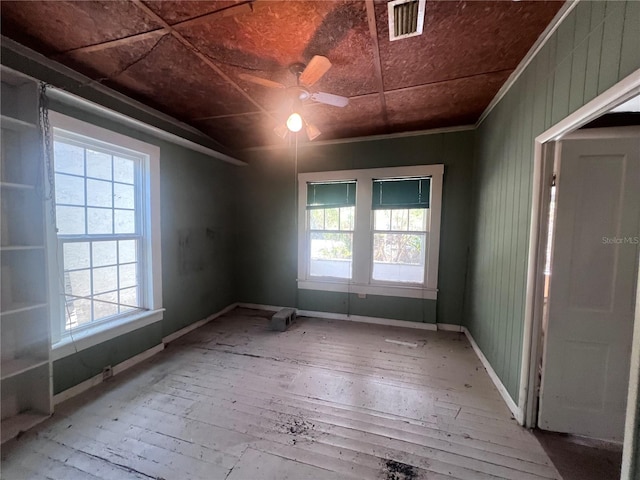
x=316, y=219
x=346, y=218
x=105, y=279
x=127, y=251
x=123, y=170
x=399, y=220
x=77, y=283
x=104, y=253
x=70, y=220
x=68, y=158
x=332, y=219
x=99, y=193
x=129, y=299
x=98, y=165
x=418, y=219
x=331, y=254
x=382, y=220
x=76, y=255
x=123, y=196
x=128, y=275
x=103, y=309
x=99, y=220
x=125, y=221
x=77, y=312
x=398, y=257
x=69, y=189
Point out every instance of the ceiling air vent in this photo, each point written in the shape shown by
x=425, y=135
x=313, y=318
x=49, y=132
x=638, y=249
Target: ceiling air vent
x=406, y=18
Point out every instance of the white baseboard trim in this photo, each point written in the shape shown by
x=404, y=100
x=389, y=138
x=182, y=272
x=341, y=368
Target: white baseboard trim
x=183, y=331
x=258, y=306
x=515, y=410
x=343, y=316
x=130, y=362
x=448, y=327
x=96, y=380
x=363, y=319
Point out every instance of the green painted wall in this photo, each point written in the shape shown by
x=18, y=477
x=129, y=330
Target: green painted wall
x=196, y=197
x=597, y=45
x=267, y=264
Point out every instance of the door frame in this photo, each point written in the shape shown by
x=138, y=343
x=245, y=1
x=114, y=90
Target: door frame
x=544, y=153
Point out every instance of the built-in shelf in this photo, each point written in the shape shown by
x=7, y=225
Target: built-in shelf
x=21, y=307
x=16, y=124
x=25, y=366
x=22, y=422
x=16, y=366
x=17, y=248
x=16, y=186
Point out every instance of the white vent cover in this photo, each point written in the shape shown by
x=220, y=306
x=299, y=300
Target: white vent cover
x=406, y=18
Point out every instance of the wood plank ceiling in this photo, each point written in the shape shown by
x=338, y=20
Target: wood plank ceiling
x=185, y=58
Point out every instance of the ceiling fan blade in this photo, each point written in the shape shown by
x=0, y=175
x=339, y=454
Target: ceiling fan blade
x=260, y=81
x=281, y=130
x=330, y=99
x=312, y=131
x=317, y=67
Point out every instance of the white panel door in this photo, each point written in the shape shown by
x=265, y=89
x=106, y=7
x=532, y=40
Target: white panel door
x=592, y=290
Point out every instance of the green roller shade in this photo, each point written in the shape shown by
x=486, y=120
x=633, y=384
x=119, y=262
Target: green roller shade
x=401, y=193
x=331, y=195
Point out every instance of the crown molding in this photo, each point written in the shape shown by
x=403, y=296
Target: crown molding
x=370, y=138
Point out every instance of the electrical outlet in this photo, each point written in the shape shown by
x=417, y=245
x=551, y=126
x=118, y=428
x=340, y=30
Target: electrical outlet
x=107, y=372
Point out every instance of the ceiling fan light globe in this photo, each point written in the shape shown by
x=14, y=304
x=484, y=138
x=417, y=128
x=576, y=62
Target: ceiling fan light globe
x=294, y=122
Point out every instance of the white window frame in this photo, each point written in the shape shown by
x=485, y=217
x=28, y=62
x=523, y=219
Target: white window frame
x=360, y=282
x=63, y=342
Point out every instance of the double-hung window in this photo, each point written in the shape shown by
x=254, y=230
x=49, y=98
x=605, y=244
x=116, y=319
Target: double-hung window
x=331, y=212
x=371, y=231
x=400, y=229
x=101, y=255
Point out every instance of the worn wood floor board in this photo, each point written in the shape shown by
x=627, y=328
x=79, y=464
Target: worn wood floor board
x=321, y=424
x=464, y=397
x=379, y=365
x=325, y=399
x=422, y=436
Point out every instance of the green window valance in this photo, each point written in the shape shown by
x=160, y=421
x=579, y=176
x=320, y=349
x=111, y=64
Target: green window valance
x=401, y=193
x=331, y=194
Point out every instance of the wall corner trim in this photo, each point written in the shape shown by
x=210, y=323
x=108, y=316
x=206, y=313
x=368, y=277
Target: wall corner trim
x=96, y=380
x=515, y=410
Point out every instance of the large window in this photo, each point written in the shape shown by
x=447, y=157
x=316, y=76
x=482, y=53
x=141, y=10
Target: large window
x=371, y=231
x=101, y=253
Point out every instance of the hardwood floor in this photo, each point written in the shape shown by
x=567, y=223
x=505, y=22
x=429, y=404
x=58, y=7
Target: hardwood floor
x=325, y=399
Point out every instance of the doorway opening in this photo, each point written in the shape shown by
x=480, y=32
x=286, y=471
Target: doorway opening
x=589, y=285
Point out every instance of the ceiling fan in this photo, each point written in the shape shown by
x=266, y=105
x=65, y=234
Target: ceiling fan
x=306, y=76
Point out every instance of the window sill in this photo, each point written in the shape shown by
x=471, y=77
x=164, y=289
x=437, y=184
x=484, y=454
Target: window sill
x=382, y=290
x=103, y=332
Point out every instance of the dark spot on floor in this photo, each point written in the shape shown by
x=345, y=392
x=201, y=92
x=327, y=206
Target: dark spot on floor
x=399, y=471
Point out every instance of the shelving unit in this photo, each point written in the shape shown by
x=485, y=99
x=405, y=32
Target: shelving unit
x=25, y=366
